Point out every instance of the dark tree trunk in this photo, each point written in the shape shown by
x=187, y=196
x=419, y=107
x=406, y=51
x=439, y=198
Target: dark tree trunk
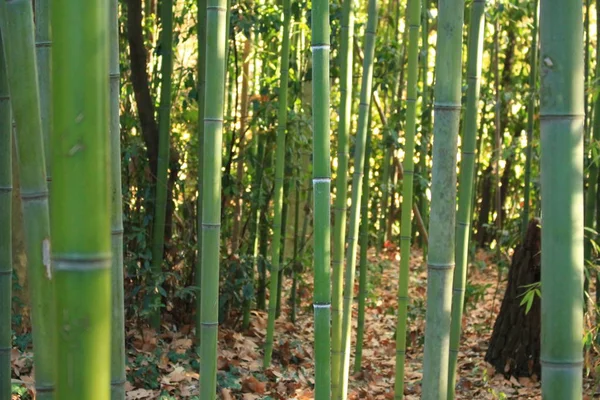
x=140, y=80
x=515, y=343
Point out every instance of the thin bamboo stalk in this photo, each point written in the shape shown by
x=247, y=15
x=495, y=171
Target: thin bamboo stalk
x=364, y=247
x=164, y=128
x=346, y=57
x=530, y=117
x=359, y=161
x=466, y=184
x=43, y=44
x=5, y=231
x=413, y=22
x=216, y=52
x=201, y=103
x=16, y=19
x=562, y=115
x=322, y=197
x=279, y=170
x=117, y=355
x=81, y=212
x=440, y=259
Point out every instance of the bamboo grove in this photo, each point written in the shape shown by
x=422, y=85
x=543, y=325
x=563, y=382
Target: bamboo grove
x=182, y=174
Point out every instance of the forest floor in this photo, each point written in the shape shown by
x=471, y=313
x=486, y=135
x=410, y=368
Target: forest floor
x=164, y=367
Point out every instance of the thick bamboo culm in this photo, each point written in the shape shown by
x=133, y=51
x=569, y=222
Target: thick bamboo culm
x=16, y=23
x=562, y=173
x=440, y=257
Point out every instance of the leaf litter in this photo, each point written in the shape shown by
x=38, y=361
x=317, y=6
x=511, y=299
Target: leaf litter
x=165, y=366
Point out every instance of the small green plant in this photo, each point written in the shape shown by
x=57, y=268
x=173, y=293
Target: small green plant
x=531, y=291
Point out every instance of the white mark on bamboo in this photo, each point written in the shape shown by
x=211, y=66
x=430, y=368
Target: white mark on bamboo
x=548, y=62
x=75, y=149
x=46, y=257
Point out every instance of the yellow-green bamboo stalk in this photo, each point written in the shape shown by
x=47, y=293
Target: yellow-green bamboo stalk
x=341, y=191
x=359, y=161
x=117, y=344
x=201, y=96
x=413, y=22
x=80, y=208
x=5, y=231
x=278, y=191
x=43, y=44
x=16, y=19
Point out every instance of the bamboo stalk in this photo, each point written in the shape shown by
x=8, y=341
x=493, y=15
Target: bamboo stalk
x=216, y=52
x=43, y=44
x=466, y=184
x=562, y=137
x=117, y=355
x=201, y=104
x=16, y=19
x=80, y=210
x=279, y=171
x=5, y=231
x=440, y=259
x=413, y=21
x=359, y=161
x=164, y=128
x=322, y=197
x=346, y=57
x=530, y=117
x=364, y=247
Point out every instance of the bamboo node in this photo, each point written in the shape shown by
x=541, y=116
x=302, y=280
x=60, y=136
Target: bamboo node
x=42, y=195
x=209, y=324
x=6, y=272
x=561, y=364
x=81, y=262
x=440, y=266
x=321, y=305
x=6, y=189
x=46, y=43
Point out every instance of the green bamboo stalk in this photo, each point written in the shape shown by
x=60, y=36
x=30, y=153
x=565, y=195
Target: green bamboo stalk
x=440, y=260
x=43, y=44
x=596, y=138
x=586, y=70
x=425, y=116
x=359, y=161
x=16, y=19
x=466, y=183
x=216, y=43
x=562, y=115
x=81, y=212
x=413, y=22
x=5, y=231
x=530, y=117
x=385, y=189
x=279, y=170
x=364, y=247
x=164, y=128
x=284, y=216
x=117, y=355
x=590, y=194
x=322, y=197
x=346, y=58
x=201, y=96
x=254, y=219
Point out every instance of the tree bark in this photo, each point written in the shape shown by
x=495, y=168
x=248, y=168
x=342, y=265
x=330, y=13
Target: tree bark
x=515, y=343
